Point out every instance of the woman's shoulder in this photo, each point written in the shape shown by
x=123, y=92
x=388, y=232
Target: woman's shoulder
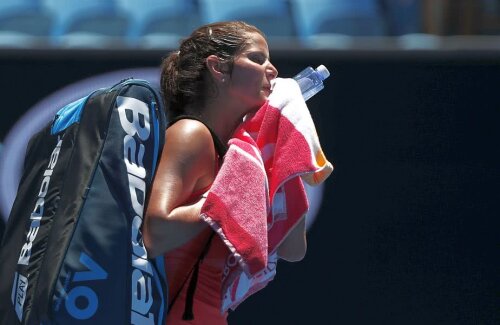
x=189, y=125
x=189, y=135
x=190, y=129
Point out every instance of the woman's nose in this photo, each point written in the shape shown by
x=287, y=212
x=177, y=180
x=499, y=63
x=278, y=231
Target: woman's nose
x=272, y=72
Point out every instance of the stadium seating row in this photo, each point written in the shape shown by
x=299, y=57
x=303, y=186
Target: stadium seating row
x=160, y=23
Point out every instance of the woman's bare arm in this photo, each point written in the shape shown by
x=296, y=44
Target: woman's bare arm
x=186, y=166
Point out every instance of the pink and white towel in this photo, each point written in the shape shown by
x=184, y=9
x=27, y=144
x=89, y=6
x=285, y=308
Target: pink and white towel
x=258, y=195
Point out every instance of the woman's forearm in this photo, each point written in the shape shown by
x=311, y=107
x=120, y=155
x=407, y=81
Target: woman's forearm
x=164, y=233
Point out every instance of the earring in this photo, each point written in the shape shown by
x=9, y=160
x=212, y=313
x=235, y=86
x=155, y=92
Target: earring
x=223, y=79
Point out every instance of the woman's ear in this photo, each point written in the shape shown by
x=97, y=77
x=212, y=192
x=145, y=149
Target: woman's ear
x=215, y=67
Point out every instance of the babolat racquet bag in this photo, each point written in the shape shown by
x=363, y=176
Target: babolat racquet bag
x=72, y=252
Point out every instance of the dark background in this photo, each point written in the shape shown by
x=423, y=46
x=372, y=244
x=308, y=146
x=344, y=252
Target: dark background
x=409, y=222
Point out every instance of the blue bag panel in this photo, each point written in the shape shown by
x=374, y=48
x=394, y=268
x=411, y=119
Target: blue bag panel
x=86, y=292
x=39, y=197
x=106, y=277
x=68, y=115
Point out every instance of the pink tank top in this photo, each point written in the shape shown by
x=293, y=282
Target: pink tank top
x=179, y=266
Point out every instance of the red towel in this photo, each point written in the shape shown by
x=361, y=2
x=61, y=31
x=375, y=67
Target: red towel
x=267, y=160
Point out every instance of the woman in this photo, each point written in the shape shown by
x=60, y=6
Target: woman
x=221, y=73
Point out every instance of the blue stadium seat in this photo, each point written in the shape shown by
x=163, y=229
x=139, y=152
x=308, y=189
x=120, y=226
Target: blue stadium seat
x=87, y=23
x=338, y=17
x=272, y=17
x=23, y=24
x=159, y=23
x=403, y=16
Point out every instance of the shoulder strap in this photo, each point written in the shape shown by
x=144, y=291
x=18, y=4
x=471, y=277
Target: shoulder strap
x=193, y=277
x=219, y=145
x=188, y=308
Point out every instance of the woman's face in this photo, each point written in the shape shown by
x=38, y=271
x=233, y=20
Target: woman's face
x=250, y=81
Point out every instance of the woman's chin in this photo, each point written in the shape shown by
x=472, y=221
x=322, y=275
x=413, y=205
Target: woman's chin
x=252, y=112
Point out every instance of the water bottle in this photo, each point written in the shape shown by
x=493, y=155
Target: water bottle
x=311, y=80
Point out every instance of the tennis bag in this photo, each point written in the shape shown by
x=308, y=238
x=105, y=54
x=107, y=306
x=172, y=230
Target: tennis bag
x=72, y=252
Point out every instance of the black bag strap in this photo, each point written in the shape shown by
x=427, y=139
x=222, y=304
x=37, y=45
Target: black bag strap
x=188, y=308
x=193, y=273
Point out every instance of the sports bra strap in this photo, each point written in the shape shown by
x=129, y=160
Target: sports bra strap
x=220, y=147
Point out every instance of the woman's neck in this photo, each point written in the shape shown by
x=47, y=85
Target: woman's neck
x=222, y=119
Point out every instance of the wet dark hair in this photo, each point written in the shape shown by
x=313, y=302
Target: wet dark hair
x=183, y=78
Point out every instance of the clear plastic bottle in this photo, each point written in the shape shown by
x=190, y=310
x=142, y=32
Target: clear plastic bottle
x=311, y=80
